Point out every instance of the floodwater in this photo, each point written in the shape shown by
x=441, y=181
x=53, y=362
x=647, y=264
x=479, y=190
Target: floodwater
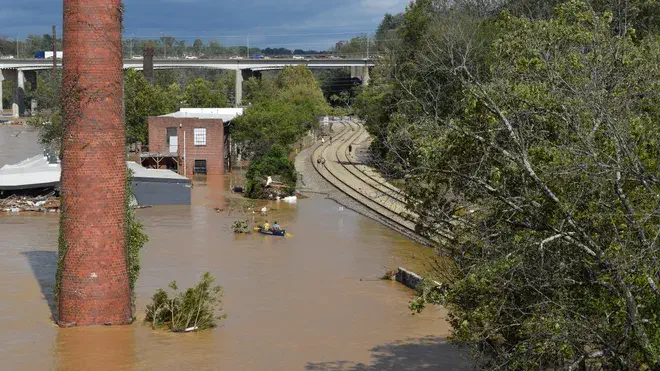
x=312, y=301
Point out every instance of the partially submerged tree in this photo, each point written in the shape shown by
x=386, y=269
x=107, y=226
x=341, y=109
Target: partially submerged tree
x=196, y=309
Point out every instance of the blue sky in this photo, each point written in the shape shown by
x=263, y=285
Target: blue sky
x=307, y=24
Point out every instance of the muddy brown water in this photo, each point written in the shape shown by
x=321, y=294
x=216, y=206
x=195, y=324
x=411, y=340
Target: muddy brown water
x=312, y=301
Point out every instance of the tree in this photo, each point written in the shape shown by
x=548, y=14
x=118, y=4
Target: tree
x=142, y=100
x=48, y=118
x=386, y=32
x=337, y=81
x=259, y=90
x=201, y=94
x=282, y=111
x=198, y=46
x=7, y=46
x=7, y=93
x=168, y=43
x=534, y=145
x=215, y=49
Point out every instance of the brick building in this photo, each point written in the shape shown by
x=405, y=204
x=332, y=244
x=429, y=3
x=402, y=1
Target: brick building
x=191, y=141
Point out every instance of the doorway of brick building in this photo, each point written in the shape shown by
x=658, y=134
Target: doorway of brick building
x=172, y=140
x=200, y=167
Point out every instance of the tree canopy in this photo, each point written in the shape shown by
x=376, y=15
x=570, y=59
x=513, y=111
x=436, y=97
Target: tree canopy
x=282, y=111
x=531, y=138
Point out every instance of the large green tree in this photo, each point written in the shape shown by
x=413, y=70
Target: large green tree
x=141, y=100
x=282, y=111
x=202, y=93
x=534, y=143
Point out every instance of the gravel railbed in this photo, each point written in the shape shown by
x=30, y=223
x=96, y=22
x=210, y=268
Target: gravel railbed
x=310, y=181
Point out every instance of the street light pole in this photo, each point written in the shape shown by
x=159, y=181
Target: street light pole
x=248, y=46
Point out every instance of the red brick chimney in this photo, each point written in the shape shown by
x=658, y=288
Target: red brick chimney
x=94, y=283
x=148, y=64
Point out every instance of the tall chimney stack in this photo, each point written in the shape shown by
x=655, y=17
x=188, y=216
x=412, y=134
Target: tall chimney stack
x=148, y=64
x=94, y=284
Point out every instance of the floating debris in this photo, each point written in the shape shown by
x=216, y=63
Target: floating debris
x=15, y=204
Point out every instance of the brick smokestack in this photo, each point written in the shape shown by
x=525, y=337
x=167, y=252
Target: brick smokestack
x=94, y=285
x=148, y=64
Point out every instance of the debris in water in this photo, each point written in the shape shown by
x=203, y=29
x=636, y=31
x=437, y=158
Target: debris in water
x=290, y=199
x=45, y=203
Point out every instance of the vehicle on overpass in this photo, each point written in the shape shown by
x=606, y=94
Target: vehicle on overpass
x=298, y=57
x=258, y=56
x=41, y=54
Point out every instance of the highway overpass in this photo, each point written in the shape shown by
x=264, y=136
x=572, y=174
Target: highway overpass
x=21, y=70
x=224, y=64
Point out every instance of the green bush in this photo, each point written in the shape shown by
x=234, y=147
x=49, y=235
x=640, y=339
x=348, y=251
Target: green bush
x=193, y=310
x=274, y=162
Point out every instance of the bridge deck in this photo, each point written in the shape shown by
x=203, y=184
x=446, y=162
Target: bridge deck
x=228, y=64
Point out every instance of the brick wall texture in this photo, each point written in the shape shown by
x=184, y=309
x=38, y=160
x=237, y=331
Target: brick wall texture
x=94, y=287
x=212, y=152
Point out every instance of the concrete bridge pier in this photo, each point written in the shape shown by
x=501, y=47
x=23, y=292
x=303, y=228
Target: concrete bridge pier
x=361, y=73
x=31, y=77
x=241, y=76
x=18, y=108
x=18, y=78
x=239, y=88
x=354, y=72
x=365, y=76
x=2, y=79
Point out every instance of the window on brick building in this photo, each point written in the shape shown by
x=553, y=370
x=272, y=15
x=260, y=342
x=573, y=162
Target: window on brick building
x=200, y=136
x=200, y=167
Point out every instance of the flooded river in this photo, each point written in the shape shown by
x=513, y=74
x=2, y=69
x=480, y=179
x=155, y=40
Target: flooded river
x=312, y=301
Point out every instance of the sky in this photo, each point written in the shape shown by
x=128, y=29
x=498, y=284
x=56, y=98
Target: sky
x=304, y=24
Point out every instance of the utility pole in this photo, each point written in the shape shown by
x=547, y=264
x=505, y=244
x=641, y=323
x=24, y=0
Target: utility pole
x=368, y=39
x=16, y=46
x=54, y=53
x=248, y=46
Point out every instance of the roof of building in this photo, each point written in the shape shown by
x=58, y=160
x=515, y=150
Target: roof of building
x=36, y=172
x=141, y=172
x=224, y=114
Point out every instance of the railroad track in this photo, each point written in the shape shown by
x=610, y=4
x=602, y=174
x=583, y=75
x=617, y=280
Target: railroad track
x=364, y=189
x=362, y=171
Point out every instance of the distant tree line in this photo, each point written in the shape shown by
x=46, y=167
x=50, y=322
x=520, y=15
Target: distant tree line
x=28, y=47
x=174, y=89
x=164, y=46
x=171, y=47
